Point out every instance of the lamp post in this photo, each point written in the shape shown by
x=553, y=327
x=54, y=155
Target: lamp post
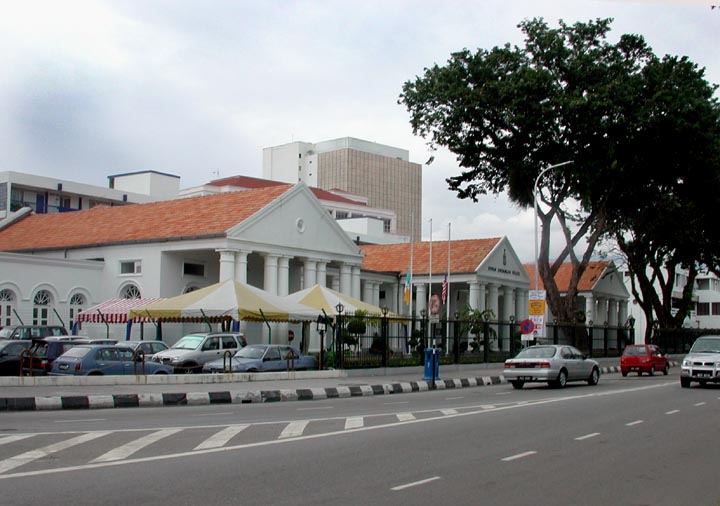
x=339, y=337
x=535, y=200
x=321, y=328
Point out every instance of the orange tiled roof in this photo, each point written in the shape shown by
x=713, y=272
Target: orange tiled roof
x=562, y=278
x=256, y=182
x=200, y=216
x=465, y=256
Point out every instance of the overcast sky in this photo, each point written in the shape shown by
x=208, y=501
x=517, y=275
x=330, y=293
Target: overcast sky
x=199, y=88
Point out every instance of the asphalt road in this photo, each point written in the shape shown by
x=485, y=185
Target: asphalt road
x=626, y=441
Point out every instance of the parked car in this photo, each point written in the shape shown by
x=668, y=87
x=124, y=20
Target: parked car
x=150, y=348
x=263, y=358
x=31, y=331
x=44, y=351
x=702, y=362
x=103, y=359
x=643, y=358
x=10, y=351
x=554, y=364
x=193, y=351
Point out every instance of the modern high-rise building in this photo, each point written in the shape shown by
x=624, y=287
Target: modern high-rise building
x=383, y=174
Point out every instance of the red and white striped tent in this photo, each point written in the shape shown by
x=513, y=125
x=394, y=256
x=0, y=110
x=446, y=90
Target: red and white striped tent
x=114, y=311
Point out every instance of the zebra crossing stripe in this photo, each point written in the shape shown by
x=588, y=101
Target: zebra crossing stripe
x=449, y=411
x=124, y=451
x=221, y=438
x=293, y=429
x=354, y=422
x=27, y=457
x=13, y=438
x=405, y=417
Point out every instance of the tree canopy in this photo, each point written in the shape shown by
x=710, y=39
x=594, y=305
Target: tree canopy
x=633, y=125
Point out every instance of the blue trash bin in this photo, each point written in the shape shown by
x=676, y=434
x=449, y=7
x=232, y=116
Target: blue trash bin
x=432, y=364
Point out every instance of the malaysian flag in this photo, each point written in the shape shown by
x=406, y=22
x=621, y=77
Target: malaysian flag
x=444, y=289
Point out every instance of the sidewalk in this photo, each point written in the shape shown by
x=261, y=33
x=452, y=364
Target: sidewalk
x=49, y=393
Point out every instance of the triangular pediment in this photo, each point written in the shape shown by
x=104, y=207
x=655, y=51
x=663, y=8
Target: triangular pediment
x=502, y=265
x=296, y=221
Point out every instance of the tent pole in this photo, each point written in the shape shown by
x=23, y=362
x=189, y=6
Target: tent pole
x=206, y=320
x=268, y=326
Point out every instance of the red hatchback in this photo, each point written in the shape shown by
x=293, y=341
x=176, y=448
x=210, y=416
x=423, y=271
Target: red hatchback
x=642, y=358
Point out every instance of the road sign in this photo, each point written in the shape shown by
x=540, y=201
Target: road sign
x=527, y=327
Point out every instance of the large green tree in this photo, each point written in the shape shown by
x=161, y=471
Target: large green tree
x=569, y=94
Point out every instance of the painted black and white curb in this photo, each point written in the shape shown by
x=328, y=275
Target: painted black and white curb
x=146, y=400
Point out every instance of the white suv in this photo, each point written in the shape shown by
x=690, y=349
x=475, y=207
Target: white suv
x=192, y=351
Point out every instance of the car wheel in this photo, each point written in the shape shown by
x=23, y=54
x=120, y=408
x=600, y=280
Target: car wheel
x=685, y=382
x=652, y=370
x=517, y=384
x=666, y=370
x=702, y=383
x=190, y=368
x=624, y=373
x=594, y=377
x=561, y=380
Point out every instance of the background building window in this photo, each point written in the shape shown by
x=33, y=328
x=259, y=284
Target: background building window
x=41, y=307
x=131, y=267
x=77, y=304
x=7, y=298
x=703, y=309
x=130, y=292
x=193, y=269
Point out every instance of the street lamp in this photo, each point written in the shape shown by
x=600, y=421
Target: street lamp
x=535, y=200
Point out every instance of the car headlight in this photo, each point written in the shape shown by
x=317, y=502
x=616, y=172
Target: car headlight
x=686, y=362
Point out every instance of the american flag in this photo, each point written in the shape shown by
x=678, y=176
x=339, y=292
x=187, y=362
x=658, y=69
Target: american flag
x=444, y=289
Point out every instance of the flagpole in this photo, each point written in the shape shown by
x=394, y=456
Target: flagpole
x=429, y=296
x=447, y=306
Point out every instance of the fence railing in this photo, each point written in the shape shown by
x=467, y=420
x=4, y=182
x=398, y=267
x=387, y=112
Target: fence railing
x=389, y=342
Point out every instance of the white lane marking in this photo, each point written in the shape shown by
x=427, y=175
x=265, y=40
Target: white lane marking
x=487, y=406
x=453, y=398
x=27, y=457
x=215, y=414
x=12, y=439
x=124, y=451
x=518, y=456
x=503, y=393
x=672, y=412
x=83, y=420
x=449, y=411
x=353, y=422
x=472, y=411
x=293, y=429
x=587, y=436
x=319, y=408
x=636, y=422
x=221, y=438
x=414, y=484
x=404, y=417
x=394, y=403
x=700, y=404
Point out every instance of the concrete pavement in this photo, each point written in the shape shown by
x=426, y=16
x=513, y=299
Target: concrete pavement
x=49, y=393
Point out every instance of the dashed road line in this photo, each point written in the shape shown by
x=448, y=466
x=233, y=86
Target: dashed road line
x=354, y=422
x=587, y=436
x=404, y=417
x=221, y=438
x=636, y=422
x=449, y=411
x=672, y=412
x=700, y=404
x=124, y=451
x=518, y=456
x=414, y=484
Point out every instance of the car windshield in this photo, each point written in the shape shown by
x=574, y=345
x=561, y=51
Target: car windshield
x=6, y=332
x=76, y=352
x=189, y=343
x=635, y=351
x=251, y=352
x=706, y=345
x=537, y=352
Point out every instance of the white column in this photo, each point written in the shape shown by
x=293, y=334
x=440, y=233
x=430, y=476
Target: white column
x=271, y=274
x=420, y=298
x=492, y=300
x=613, y=313
x=623, y=312
x=376, y=294
x=356, y=281
x=474, y=295
x=322, y=273
x=589, y=308
x=521, y=306
x=367, y=294
x=241, y=262
x=227, y=264
x=346, y=279
x=602, y=311
x=283, y=284
x=482, y=301
x=335, y=282
x=508, y=302
x=309, y=272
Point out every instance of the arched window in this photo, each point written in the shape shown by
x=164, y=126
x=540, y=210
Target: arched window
x=131, y=292
x=77, y=304
x=41, y=307
x=7, y=298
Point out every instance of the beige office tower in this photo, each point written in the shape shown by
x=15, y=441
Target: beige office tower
x=382, y=174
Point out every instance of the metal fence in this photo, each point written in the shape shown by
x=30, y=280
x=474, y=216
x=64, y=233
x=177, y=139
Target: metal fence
x=366, y=342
